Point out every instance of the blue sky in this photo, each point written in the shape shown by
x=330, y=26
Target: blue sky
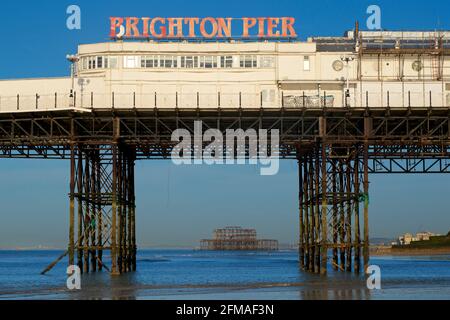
x=179, y=205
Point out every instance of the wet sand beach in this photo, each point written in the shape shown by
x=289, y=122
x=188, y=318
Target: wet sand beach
x=190, y=275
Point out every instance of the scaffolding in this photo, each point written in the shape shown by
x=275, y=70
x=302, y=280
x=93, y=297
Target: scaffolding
x=237, y=238
x=434, y=46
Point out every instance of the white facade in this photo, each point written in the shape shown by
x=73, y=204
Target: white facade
x=233, y=74
x=407, y=238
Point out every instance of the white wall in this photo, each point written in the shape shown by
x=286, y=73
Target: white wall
x=137, y=86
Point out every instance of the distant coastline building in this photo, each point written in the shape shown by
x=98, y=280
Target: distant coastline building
x=237, y=238
x=407, y=238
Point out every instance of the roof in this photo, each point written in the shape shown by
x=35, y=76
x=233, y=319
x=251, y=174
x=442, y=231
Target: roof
x=155, y=46
x=375, y=40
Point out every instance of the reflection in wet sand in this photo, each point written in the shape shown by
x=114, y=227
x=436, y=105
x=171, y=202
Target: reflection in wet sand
x=187, y=274
x=335, y=294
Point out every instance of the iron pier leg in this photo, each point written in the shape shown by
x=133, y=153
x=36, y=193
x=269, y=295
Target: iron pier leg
x=301, y=205
x=93, y=217
x=357, y=243
x=307, y=226
x=102, y=183
x=330, y=181
x=98, y=201
x=342, y=228
x=348, y=222
x=324, y=213
x=120, y=212
x=133, y=215
x=87, y=214
x=72, y=208
x=79, y=192
x=335, y=213
x=114, y=268
x=366, y=207
x=312, y=227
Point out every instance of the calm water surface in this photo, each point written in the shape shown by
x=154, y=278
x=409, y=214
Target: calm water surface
x=188, y=274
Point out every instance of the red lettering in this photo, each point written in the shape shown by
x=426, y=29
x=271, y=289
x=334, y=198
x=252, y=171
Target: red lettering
x=224, y=27
x=248, y=24
x=162, y=29
x=132, y=29
x=203, y=31
x=145, y=22
x=261, y=24
x=178, y=24
x=115, y=23
x=192, y=22
x=209, y=27
x=288, y=27
x=272, y=23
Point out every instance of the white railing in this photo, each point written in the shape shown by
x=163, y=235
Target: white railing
x=47, y=102
x=40, y=102
x=87, y=101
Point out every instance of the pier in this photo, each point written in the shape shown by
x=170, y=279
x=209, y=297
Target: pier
x=372, y=123
x=237, y=238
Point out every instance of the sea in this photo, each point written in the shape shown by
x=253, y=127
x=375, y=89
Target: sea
x=207, y=275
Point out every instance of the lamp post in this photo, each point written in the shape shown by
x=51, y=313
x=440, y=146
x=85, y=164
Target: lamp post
x=72, y=58
x=347, y=61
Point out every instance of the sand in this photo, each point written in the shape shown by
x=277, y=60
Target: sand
x=388, y=251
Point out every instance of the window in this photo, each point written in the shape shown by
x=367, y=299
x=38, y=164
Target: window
x=149, y=62
x=267, y=62
x=131, y=62
x=84, y=62
x=189, y=62
x=168, y=62
x=249, y=62
x=306, y=63
x=112, y=61
x=208, y=62
x=91, y=63
x=99, y=62
x=226, y=62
